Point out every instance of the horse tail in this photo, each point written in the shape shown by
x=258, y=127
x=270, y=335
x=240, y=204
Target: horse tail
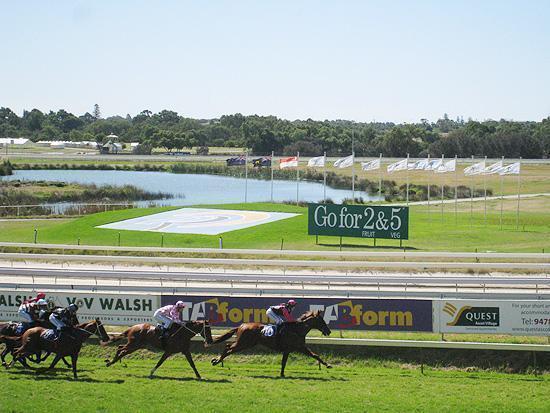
x=114, y=339
x=14, y=340
x=224, y=337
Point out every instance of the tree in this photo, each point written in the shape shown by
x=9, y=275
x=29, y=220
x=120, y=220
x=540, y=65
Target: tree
x=96, y=113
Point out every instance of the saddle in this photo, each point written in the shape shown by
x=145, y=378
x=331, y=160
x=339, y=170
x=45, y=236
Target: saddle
x=269, y=330
x=50, y=335
x=20, y=328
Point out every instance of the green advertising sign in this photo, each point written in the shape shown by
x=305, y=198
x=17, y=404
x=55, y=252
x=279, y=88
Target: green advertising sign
x=390, y=222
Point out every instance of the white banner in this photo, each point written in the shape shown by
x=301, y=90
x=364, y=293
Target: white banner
x=475, y=169
x=519, y=318
x=512, y=169
x=398, y=166
x=112, y=309
x=449, y=166
x=370, y=165
x=318, y=161
x=344, y=162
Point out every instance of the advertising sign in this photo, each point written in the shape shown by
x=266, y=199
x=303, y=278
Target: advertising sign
x=390, y=222
x=522, y=318
x=339, y=313
x=113, y=309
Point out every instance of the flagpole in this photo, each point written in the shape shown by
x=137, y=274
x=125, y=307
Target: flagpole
x=472, y=195
x=442, y=186
x=501, y=194
x=325, y=177
x=519, y=189
x=407, y=179
x=352, y=177
x=246, y=176
x=380, y=179
x=429, y=214
x=272, y=162
x=297, y=178
x=456, y=191
x=485, y=192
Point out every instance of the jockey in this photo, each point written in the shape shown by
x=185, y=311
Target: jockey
x=62, y=317
x=28, y=309
x=168, y=315
x=281, y=313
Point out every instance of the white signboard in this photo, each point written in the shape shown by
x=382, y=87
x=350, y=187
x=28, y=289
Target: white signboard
x=519, y=318
x=112, y=309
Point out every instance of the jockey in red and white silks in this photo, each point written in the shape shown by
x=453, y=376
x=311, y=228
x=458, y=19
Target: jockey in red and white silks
x=27, y=310
x=169, y=314
x=281, y=313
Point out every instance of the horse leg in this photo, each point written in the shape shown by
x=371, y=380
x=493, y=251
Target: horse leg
x=283, y=363
x=310, y=353
x=159, y=363
x=3, y=356
x=54, y=362
x=121, y=352
x=192, y=363
x=229, y=349
x=74, y=358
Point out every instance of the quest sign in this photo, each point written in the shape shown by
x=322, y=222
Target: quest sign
x=520, y=318
x=389, y=222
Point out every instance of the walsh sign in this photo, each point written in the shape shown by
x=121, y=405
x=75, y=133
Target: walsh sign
x=361, y=221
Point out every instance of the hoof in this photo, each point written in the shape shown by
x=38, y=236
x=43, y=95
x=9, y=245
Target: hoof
x=329, y=366
x=214, y=361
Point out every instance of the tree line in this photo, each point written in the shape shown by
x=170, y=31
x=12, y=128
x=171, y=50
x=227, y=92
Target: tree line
x=264, y=134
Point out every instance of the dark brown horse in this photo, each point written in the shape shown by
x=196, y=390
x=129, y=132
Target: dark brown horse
x=69, y=343
x=291, y=339
x=9, y=329
x=147, y=336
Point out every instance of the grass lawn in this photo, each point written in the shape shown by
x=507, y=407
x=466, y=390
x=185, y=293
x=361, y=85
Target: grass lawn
x=253, y=385
x=428, y=231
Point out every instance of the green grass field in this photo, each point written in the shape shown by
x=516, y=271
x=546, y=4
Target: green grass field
x=252, y=385
x=428, y=231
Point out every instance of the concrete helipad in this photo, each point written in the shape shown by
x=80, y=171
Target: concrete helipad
x=199, y=221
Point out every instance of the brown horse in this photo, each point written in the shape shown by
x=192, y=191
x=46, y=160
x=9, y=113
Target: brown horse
x=291, y=339
x=9, y=329
x=68, y=344
x=147, y=336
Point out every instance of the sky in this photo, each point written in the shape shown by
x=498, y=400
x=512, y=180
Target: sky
x=398, y=61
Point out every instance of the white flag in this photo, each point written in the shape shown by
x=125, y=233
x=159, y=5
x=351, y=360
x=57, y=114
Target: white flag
x=291, y=162
x=344, y=162
x=449, y=166
x=417, y=165
x=493, y=169
x=318, y=161
x=512, y=169
x=397, y=166
x=475, y=169
x=370, y=165
x=433, y=165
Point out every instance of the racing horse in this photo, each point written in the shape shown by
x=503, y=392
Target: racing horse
x=147, y=336
x=34, y=341
x=292, y=338
x=9, y=329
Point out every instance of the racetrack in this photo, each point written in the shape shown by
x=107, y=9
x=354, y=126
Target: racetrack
x=250, y=384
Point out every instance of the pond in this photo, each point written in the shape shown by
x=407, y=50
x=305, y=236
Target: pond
x=191, y=189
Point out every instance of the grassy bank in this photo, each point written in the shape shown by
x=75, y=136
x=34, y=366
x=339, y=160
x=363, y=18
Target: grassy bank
x=253, y=387
x=429, y=230
x=38, y=192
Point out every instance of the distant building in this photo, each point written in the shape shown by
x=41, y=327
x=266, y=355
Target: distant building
x=13, y=141
x=111, y=148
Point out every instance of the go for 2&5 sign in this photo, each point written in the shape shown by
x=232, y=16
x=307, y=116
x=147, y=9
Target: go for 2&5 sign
x=390, y=222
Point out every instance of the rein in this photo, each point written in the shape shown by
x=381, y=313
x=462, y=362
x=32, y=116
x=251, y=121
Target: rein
x=202, y=332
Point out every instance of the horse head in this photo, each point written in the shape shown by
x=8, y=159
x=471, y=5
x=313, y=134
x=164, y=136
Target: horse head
x=315, y=320
x=202, y=328
x=95, y=327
